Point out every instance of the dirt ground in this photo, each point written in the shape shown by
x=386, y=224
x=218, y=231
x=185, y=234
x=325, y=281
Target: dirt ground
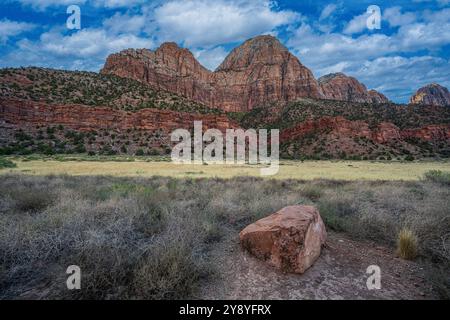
x=339, y=273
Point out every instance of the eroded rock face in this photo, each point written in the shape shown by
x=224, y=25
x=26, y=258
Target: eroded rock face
x=86, y=118
x=290, y=239
x=259, y=71
x=339, y=127
x=168, y=68
x=432, y=94
x=338, y=86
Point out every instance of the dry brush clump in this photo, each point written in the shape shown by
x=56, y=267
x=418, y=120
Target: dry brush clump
x=151, y=238
x=407, y=244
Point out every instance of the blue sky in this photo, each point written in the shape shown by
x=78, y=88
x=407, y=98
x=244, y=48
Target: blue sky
x=411, y=49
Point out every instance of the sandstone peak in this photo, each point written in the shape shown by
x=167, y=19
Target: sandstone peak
x=432, y=94
x=261, y=49
x=339, y=86
x=331, y=76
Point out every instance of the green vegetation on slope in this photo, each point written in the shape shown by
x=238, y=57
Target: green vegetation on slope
x=91, y=89
x=403, y=116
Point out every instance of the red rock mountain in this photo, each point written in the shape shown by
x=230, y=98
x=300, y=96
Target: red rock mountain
x=259, y=71
x=262, y=70
x=432, y=94
x=338, y=86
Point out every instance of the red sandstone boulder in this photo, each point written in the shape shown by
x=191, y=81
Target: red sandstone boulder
x=290, y=239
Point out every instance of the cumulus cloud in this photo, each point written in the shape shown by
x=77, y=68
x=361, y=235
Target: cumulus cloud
x=396, y=18
x=398, y=77
x=357, y=24
x=10, y=29
x=110, y=4
x=201, y=23
x=86, y=49
x=89, y=43
x=211, y=58
x=44, y=4
x=367, y=56
x=327, y=11
x=125, y=22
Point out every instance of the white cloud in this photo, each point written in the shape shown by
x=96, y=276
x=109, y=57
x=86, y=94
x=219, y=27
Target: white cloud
x=398, y=77
x=10, y=28
x=86, y=49
x=110, y=4
x=201, y=23
x=211, y=58
x=44, y=4
x=89, y=43
x=327, y=11
x=383, y=62
x=120, y=23
x=357, y=24
x=396, y=18
x=117, y=3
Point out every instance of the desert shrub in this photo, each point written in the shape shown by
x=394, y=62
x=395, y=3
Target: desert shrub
x=438, y=176
x=312, y=192
x=407, y=244
x=6, y=163
x=337, y=212
x=166, y=271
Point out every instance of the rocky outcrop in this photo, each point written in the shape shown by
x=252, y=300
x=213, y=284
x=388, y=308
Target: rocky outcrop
x=338, y=86
x=428, y=133
x=86, y=118
x=432, y=94
x=169, y=68
x=259, y=71
x=377, y=97
x=290, y=239
x=339, y=127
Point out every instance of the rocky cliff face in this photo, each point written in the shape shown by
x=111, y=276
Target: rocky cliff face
x=85, y=118
x=168, y=68
x=432, y=94
x=338, y=86
x=384, y=132
x=259, y=71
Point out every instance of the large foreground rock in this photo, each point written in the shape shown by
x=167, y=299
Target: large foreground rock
x=290, y=239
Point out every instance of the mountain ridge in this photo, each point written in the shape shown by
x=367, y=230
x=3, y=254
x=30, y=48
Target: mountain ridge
x=258, y=71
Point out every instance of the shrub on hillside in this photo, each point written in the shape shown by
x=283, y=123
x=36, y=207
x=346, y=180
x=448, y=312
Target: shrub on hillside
x=438, y=176
x=5, y=163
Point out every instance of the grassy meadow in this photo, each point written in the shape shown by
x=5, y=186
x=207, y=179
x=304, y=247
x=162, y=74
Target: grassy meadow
x=147, y=167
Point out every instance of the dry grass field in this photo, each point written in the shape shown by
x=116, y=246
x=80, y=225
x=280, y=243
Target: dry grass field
x=339, y=170
x=154, y=230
